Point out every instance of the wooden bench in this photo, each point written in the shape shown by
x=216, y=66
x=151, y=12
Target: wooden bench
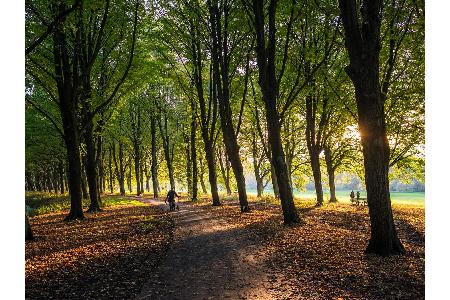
x=358, y=201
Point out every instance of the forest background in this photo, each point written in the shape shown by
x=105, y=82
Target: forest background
x=13, y=150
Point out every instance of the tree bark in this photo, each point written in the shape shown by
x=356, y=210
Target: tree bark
x=147, y=178
x=48, y=179
x=29, y=181
x=84, y=183
x=314, y=147
x=269, y=88
x=202, y=179
x=119, y=167
x=154, y=158
x=61, y=176
x=256, y=167
x=55, y=182
x=110, y=171
x=225, y=170
x=363, y=46
x=166, y=148
x=220, y=63
x=100, y=165
x=37, y=184
x=91, y=167
x=188, y=166
x=74, y=175
x=194, y=154
x=71, y=140
x=137, y=161
x=212, y=173
x=207, y=125
x=330, y=171
x=135, y=117
x=142, y=179
x=129, y=176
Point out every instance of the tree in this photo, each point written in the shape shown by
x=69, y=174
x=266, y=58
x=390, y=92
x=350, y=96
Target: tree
x=269, y=87
x=76, y=46
x=362, y=40
x=221, y=72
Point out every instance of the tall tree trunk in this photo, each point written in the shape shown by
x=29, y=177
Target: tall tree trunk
x=61, y=176
x=287, y=202
x=110, y=171
x=207, y=126
x=137, y=168
x=188, y=167
x=119, y=167
x=363, y=46
x=135, y=117
x=315, y=166
x=227, y=176
x=129, y=177
x=84, y=184
x=48, y=180
x=100, y=166
x=74, y=174
x=313, y=145
x=37, y=184
x=142, y=179
x=221, y=78
x=273, y=176
x=154, y=158
x=269, y=87
x=91, y=167
x=256, y=167
x=66, y=82
x=71, y=141
x=330, y=171
x=29, y=181
x=55, y=178
x=212, y=173
x=147, y=178
x=224, y=169
x=194, y=155
x=202, y=179
x=166, y=148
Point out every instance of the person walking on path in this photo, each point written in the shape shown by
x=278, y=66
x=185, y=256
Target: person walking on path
x=171, y=198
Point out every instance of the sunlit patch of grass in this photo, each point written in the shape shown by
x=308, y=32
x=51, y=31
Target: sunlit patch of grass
x=120, y=201
x=44, y=203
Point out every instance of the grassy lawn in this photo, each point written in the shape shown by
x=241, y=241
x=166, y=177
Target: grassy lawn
x=44, y=203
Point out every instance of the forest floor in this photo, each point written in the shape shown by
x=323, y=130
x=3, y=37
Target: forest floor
x=219, y=253
x=108, y=255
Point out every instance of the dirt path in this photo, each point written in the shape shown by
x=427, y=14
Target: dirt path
x=209, y=260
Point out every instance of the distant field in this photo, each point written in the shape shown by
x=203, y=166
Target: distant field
x=344, y=196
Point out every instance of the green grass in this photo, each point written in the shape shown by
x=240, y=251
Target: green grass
x=44, y=203
x=417, y=198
